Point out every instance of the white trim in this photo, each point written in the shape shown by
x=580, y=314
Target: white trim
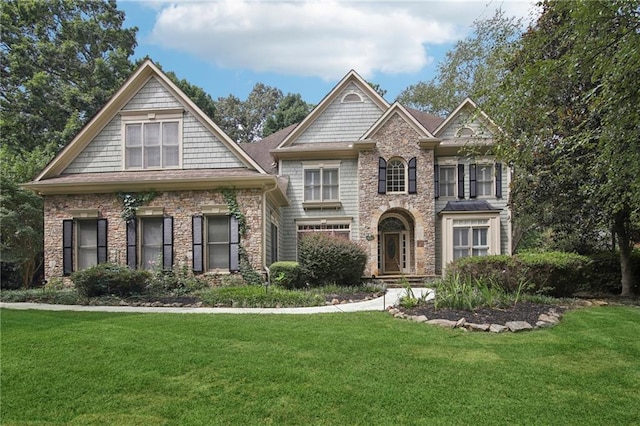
x=84, y=213
x=213, y=209
x=350, y=93
x=451, y=220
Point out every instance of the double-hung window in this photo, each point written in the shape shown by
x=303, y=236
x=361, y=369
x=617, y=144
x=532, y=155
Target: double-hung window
x=151, y=242
x=470, y=241
x=152, y=141
x=484, y=182
x=216, y=242
x=84, y=243
x=322, y=183
x=447, y=181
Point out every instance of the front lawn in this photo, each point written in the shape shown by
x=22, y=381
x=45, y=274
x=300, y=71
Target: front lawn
x=365, y=368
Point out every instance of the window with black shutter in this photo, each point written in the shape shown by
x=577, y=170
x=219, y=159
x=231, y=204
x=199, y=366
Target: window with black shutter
x=412, y=176
x=382, y=176
x=461, y=181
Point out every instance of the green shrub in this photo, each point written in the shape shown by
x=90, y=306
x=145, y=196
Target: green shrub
x=108, y=278
x=556, y=274
x=178, y=281
x=604, y=274
x=285, y=274
x=325, y=259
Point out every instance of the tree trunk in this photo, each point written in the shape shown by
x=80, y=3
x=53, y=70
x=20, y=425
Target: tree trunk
x=624, y=241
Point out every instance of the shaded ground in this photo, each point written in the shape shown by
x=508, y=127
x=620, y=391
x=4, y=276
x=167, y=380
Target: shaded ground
x=522, y=311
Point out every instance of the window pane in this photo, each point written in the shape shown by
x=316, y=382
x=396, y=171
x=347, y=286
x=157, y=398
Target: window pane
x=395, y=176
x=133, y=135
x=151, y=134
x=151, y=156
x=170, y=156
x=218, y=229
x=460, y=242
x=447, y=181
x=87, y=241
x=151, y=243
x=133, y=157
x=218, y=242
x=312, y=185
x=170, y=133
x=479, y=237
x=485, y=180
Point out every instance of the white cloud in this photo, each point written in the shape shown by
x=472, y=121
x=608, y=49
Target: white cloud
x=316, y=38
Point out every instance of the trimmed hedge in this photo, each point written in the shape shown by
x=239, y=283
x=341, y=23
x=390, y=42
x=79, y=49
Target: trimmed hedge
x=330, y=260
x=556, y=274
x=108, y=278
x=285, y=274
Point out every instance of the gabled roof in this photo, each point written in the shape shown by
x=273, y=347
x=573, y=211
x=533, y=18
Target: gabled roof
x=129, y=89
x=466, y=104
x=429, y=121
x=351, y=77
x=398, y=109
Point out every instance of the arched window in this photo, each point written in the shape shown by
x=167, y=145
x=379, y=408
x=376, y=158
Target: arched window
x=465, y=132
x=351, y=97
x=396, y=175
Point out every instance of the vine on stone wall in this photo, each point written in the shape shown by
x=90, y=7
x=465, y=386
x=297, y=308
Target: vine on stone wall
x=250, y=275
x=132, y=200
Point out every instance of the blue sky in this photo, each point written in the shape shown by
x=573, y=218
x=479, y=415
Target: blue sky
x=306, y=47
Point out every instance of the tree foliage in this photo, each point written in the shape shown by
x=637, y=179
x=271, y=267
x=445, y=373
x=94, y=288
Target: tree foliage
x=291, y=109
x=21, y=229
x=569, y=108
x=60, y=62
x=473, y=68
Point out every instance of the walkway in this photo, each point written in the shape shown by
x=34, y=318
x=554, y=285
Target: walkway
x=392, y=297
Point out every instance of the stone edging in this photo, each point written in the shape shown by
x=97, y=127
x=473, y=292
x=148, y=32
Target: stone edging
x=545, y=320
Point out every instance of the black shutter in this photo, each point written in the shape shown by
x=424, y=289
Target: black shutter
x=102, y=241
x=234, y=244
x=67, y=247
x=460, y=180
x=167, y=243
x=382, y=176
x=412, y=175
x=197, y=223
x=132, y=252
x=436, y=181
x=473, y=188
x=498, y=180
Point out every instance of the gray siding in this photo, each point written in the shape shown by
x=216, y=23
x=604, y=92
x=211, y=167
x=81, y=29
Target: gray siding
x=342, y=121
x=152, y=95
x=274, y=215
x=464, y=119
x=348, y=197
x=103, y=153
x=201, y=149
x=498, y=203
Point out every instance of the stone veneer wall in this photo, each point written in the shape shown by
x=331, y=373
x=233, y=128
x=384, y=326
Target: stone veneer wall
x=180, y=205
x=397, y=139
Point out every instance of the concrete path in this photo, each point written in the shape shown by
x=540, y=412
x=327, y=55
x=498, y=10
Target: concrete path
x=392, y=297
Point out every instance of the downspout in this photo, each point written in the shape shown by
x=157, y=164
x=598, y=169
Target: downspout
x=264, y=229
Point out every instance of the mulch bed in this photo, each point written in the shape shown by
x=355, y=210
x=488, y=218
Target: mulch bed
x=522, y=311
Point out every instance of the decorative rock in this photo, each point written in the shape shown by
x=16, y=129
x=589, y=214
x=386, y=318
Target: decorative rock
x=516, y=326
x=497, y=328
x=419, y=318
x=460, y=323
x=335, y=301
x=393, y=311
x=477, y=327
x=551, y=319
x=442, y=323
x=600, y=303
x=399, y=315
x=543, y=324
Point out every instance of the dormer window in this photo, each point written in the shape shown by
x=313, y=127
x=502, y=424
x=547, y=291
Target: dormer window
x=152, y=140
x=351, y=97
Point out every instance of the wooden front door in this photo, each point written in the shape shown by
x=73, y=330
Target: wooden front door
x=391, y=250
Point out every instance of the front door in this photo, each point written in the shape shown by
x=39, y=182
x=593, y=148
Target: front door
x=391, y=249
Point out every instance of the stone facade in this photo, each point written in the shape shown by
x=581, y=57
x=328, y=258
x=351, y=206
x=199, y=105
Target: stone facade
x=180, y=205
x=398, y=139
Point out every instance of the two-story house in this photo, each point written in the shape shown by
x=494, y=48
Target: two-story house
x=418, y=191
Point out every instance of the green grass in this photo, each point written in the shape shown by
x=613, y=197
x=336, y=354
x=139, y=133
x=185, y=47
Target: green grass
x=365, y=368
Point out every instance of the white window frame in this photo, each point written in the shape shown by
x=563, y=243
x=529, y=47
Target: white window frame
x=454, y=182
x=207, y=244
x=490, y=183
x=392, y=174
x=157, y=262
x=78, y=247
x=145, y=117
x=321, y=168
x=473, y=220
